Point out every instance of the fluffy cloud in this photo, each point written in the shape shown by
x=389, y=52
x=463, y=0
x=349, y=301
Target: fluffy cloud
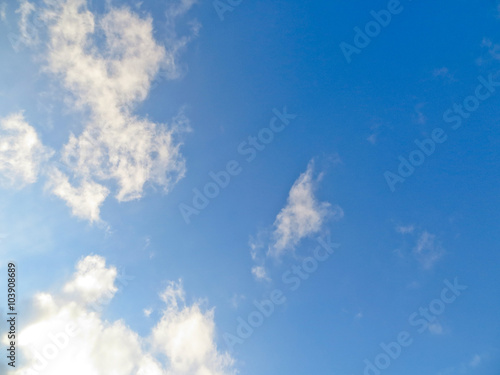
x=68, y=336
x=21, y=152
x=186, y=336
x=106, y=63
x=302, y=216
x=92, y=280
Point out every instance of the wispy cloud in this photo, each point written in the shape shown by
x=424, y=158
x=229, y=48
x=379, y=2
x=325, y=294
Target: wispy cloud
x=428, y=250
x=260, y=273
x=302, y=217
x=475, y=361
x=443, y=73
x=419, y=116
x=303, y=214
x=467, y=366
x=3, y=12
x=28, y=33
x=436, y=328
x=492, y=51
x=182, y=341
x=22, y=154
x=408, y=229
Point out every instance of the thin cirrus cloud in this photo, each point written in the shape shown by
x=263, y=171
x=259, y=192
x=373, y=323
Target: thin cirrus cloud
x=22, y=153
x=106, y=65
x=181, y=342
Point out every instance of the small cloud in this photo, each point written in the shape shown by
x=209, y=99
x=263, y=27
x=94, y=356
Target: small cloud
x=22, y=154
x=413, y=285
x=147, y=312
x=3, y=12
x=493, y=51
x=29, y=34
x=436, y=329
x=419, y=116
x=465, y=367
x=372, y=138
x=147, y=242
x=408, y=229
x=428, y=250
x=476, y=361
x=256, y=244
x=303, y=214
x=358, y=316
x=236, y=300
x=260, y=273
x=375, y=129
x=443, y=73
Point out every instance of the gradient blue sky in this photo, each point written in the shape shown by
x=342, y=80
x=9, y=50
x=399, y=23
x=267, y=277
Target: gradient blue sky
x=354, y=120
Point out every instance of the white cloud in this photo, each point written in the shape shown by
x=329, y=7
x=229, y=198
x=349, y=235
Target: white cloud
x=147, y=312
x=436, y=328
x=419, y=116
x=236, y=300
x=428, y=250
x=68, y=337
x=408, y=229
x=476, y=361
x=372, y=138
x=92, y=280
x=29, y=33
x=302, y=216
x=260, y=273
x=186, y=336
x=21, y=152
x=466, y=367
x=85, y=200
x=179, y=8
x=3, y=12
x=493, y=51
x=107, y=64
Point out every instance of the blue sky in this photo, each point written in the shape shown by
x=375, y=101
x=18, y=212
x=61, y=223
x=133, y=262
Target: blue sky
x=113, y=114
